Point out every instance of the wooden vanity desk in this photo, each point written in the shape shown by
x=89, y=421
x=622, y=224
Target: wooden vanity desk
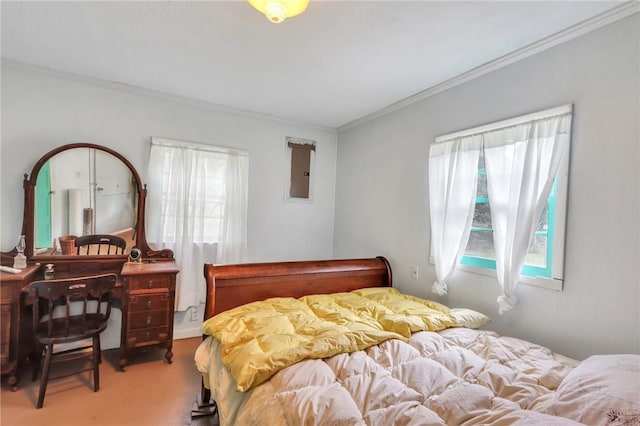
x=111, y=202
x=11, y=286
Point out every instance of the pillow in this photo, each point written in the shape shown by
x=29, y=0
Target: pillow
x=469, y=318
x=603, y=389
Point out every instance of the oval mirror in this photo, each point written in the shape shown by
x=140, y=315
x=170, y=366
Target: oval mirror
x=88, y=190
x=83, y=191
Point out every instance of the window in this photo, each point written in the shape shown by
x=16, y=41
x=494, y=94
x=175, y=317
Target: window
x=538, y=268
x=200, y=196
x=197, y=208
x=497, y=196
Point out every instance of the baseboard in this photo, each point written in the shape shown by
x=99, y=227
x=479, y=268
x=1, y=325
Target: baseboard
x=186, y=333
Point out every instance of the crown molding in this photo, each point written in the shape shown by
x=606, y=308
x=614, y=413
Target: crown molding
x=142, y=91
x=615, y=14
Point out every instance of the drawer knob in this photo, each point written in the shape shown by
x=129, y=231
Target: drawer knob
x=148, y=304
x=150, y=284
x=148, y=320
x=147, y=335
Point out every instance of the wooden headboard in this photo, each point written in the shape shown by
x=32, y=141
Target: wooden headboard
x=229, y=286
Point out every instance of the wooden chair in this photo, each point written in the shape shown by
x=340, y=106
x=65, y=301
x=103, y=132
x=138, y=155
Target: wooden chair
x=100, y=244
x=94, y=296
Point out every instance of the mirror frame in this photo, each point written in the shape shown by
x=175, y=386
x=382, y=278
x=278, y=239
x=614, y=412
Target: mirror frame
x=28, y=222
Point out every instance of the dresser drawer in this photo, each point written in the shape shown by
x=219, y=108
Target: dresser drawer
x=147, y=336
x=148, y=302
x=147, y=319
x=149, y=282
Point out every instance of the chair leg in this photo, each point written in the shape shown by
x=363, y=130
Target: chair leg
x=45, y=374
x=36, y=360
x=96, y=363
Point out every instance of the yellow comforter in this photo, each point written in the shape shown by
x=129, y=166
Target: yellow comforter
x=259, y=339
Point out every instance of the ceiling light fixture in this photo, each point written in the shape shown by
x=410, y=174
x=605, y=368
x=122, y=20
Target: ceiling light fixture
x=278, y=10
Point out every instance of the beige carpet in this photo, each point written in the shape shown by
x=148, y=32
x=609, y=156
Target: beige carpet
x=150, y=392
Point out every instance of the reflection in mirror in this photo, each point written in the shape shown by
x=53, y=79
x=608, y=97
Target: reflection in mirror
x=83, y=191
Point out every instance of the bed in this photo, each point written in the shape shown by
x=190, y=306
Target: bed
x=333, y=343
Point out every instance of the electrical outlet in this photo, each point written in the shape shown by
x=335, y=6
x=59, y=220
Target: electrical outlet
x=414, y=272
x=194, y=313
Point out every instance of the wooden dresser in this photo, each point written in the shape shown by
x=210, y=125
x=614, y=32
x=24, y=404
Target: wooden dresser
x=11, y=288
x=147, y=307
x=145, y=292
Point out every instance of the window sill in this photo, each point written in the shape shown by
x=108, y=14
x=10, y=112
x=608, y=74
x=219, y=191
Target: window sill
x=542, y=282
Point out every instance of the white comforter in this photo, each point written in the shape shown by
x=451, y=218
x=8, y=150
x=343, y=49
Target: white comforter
x=457, y=376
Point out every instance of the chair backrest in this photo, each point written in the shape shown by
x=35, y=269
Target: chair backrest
x=100, y=244
x=52, y=293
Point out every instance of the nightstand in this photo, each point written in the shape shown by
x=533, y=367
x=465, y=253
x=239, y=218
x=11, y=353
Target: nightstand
x=148, y=301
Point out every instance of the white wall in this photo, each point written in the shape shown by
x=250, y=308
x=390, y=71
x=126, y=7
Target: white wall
x=43, y=110
x=382, y=204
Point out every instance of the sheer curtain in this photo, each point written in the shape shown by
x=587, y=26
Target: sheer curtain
x=521, y=163
x=197, y=207
x=453, y=174
x=233, y=237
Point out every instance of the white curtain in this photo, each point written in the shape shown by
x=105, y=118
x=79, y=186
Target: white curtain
x=233, y=239
x=197, y=207
x=453, y=174
x=521, y=163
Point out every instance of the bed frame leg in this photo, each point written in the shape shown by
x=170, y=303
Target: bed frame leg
x=205, y=395
x=206, y=406
x=205, y=409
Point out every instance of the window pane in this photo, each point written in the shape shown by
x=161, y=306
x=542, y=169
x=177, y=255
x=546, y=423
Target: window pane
x=537, y=255
x=213, y=209
x=212, y=230
x=481, y=244
x=543, y=223
x=482, y=216
x=482, y=185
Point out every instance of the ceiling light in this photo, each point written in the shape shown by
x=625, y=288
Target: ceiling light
x=278, y=10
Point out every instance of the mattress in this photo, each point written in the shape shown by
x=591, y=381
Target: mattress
x=375, y=356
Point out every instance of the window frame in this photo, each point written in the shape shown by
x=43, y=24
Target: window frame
x=487, y=267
